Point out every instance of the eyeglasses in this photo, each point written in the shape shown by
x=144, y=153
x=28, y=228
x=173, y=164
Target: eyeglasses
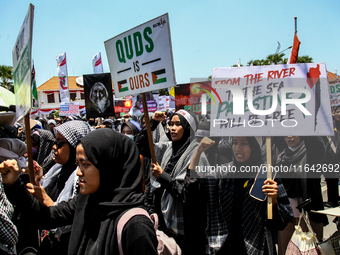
x=59, y=144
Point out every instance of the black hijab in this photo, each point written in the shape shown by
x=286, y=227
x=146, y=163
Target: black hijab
x=117, y=159
x=179, y=147
x=255, y=154
x=132, y=126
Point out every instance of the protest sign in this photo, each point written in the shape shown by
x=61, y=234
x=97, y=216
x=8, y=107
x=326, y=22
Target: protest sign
x=22, y=53
x=67, y=109
x=151, y=101
x=141, y=59
x=98, y=95
x=162, y=103
x=276, y=100
x=189, y=96
x=334, y=91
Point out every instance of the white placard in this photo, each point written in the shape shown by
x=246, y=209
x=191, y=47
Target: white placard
x=162, y=103
x=140, y=59
x=22, y=54
x=334, y=90
x=275, y=100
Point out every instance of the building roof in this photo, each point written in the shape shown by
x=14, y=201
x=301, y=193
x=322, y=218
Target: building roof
x=53, y=84
x=331, y=77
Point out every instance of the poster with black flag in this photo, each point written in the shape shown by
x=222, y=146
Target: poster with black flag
x=98, y=95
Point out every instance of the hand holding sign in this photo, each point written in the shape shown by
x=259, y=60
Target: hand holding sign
x=270, y=189
x=156, y=170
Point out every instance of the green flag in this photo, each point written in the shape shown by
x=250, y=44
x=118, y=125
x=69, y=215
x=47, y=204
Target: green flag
x=34, y=86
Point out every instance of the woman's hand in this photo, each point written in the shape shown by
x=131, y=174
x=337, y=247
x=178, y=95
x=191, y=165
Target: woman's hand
x=39, y=193
x=270, y=189
x=205, y=144
x=38, y=172
x=156, y=170
x=10, y=172
x=159, y=116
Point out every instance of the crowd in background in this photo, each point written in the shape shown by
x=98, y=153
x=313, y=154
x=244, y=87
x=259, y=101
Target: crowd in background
x=89, y=172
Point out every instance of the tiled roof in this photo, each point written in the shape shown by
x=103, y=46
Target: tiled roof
x=53, y=84
x=331, y=77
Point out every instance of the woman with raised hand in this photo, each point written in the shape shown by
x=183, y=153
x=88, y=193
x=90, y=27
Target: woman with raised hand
x=59, y=184
x=237, y=222
x=178, y=200
x=110, y=181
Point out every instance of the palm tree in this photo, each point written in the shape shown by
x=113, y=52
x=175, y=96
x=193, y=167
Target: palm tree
x=278, y=59
x=6, y=77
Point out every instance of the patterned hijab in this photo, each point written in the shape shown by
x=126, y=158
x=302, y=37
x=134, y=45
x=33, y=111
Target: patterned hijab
x=72, y=131
x=45, y=154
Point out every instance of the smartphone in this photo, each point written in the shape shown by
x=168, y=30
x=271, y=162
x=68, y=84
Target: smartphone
x=256, y=190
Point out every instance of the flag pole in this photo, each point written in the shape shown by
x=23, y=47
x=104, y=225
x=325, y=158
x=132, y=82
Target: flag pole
x=295, y=19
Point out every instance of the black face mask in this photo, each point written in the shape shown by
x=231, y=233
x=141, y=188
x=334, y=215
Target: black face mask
x=91, y=123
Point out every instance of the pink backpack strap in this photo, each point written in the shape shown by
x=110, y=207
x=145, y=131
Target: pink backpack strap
x=123, y=220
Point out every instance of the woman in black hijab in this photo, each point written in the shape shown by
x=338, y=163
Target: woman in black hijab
x=237, y=222
x=178, y=199
x=110, y=180
x=130, y=128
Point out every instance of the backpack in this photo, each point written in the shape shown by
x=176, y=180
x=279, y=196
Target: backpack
x=166, y=245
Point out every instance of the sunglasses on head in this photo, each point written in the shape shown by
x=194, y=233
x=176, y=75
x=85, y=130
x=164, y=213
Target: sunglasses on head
x=59, y=144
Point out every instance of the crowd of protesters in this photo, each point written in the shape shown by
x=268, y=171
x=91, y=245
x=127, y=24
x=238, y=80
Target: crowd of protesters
x=89, y=172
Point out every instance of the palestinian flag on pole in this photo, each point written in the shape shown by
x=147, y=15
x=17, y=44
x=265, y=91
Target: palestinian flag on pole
x=34, y=86
x=155, y=76
x=122, y=86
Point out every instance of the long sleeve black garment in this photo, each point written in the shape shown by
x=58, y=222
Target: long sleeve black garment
x=315, y=152
x=190, y=192
x=138, y=235
x=142, y=139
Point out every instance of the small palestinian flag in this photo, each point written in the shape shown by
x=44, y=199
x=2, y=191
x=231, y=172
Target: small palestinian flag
x=121, y=84
x=155, y=76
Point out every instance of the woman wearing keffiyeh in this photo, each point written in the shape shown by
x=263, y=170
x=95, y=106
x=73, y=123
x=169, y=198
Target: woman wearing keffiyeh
x=110, y=181
x=237, y=222
x=178, y=199
x=42, y=143
x=59, y=184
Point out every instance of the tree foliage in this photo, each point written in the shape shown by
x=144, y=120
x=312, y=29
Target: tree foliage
x=6, y=77
x=273, y=59
x=163, y=92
